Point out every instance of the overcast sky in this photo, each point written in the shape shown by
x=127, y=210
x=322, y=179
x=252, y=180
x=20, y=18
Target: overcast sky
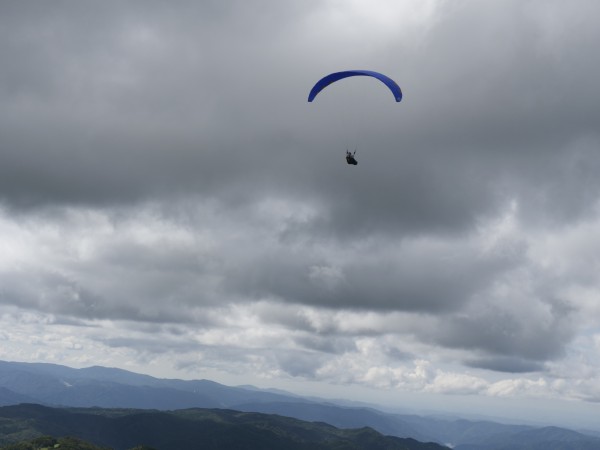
x=170, y=203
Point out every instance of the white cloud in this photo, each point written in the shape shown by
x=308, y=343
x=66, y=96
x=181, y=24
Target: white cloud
x=518, y=387
x=457, y=384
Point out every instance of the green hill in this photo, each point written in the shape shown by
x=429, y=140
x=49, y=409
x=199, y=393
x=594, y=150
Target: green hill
x=206, y=429
x=52, y=443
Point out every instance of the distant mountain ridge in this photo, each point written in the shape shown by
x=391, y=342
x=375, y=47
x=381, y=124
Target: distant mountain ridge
x=8, y=397
x=55, y=385
x=52, y=384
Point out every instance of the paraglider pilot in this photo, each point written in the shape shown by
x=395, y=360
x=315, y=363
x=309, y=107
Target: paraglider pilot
x=350, y=159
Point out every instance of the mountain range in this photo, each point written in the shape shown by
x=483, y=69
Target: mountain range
x=101, y=387
x=191, y=429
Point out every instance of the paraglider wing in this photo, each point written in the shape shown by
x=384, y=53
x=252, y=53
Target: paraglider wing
x=333, y=77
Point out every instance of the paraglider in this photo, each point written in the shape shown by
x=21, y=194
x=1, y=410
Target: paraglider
x=333, y=77
x=350, y=159
x=336, y=76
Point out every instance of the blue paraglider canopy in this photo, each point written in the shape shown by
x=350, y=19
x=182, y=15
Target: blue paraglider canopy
x=333, y=77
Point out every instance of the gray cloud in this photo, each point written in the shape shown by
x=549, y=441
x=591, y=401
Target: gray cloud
x=509, y=365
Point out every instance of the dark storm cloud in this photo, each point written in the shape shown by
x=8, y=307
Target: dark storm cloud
x=129, y=101
x=126, y=100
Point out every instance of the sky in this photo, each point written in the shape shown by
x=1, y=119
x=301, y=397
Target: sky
x=171, y=204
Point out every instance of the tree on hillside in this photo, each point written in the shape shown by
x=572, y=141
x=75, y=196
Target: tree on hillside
x=52, y=443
